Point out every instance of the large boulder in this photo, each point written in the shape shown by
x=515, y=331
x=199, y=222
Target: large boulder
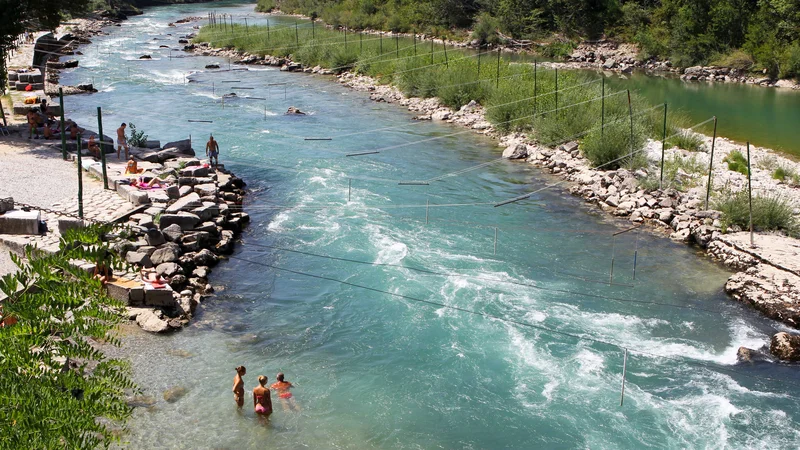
x=167, y=253
x=172, y=232
x=183, y=146
x=185, y=220
x=785, y=346
x=150, y=321
x=187, y=203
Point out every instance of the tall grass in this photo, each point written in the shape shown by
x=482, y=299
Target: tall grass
x=769, y=212
x=516, y=97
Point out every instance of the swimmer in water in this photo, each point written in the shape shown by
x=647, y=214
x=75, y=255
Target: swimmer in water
x=281, y=388
x=238, y=386
x=262, y=399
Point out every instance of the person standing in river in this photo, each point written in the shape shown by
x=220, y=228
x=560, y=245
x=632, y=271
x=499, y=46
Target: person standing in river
x=212, y=151
x=262, y=400
x=121, y=141
x=238, y=386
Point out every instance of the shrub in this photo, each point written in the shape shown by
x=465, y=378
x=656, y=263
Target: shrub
x=688, y=140
x=736, y=162
x=485, y=31
x=138, y=138
x=557, y=49
x=736, y=59
x=613, y=148
x=769, y=212
x=786, y=174
x=790, y=66
x=680, y=174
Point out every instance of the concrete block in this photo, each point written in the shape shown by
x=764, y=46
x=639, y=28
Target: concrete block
x=138, y=198
x=69, y=223
x=159, y=297
x=20, y=222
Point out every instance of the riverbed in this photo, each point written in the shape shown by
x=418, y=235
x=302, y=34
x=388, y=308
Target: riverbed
x=416, y=316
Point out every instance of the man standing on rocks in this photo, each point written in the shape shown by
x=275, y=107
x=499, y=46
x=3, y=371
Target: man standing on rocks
x=212, y=151
x=121, y=141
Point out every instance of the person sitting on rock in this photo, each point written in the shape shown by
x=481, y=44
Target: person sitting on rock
x=132, y=167
x=94, y=149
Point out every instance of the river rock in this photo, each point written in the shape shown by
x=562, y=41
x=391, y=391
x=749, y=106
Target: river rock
x=138, y=258
x=167, y=253
x=748, y=355
x=148, y=320
x=172, y=232
x=154, y=237
x=517, y=151
x=173, y=192
x=168, y=269
x=185, y=220
x=205, y=258
x=187, y=203
x=205, y=189
x=175, y=393
x=785, y=346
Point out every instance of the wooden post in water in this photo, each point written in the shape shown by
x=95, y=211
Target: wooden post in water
x=100, y=145
x=63, y=131
x=80, y=179
x=750, y=194
x=711, y=161
x=663, y=149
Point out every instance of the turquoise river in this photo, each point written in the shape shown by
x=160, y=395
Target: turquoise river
x=456, y=325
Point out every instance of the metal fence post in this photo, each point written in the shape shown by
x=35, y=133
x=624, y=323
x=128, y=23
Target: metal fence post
x=100, y=144
x=80, y=179
x=711, y=161
x=750, y=194
x=63, y=131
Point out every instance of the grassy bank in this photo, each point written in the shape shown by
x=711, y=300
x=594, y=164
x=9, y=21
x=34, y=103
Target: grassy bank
x=518, y=97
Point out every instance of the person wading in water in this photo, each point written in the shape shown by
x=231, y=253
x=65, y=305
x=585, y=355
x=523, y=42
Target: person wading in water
x=238, y=386
x=262, y=401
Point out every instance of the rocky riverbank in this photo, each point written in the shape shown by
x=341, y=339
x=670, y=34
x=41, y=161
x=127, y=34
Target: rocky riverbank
x=764, y=281
x=624, y=58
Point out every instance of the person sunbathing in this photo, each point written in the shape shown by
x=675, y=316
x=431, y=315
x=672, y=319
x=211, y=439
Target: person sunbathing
x=94, y=149
x=152, y=277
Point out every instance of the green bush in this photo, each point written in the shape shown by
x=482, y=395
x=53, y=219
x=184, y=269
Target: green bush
x=787, y=175
x=266, y=6
x=485, y=31
x=138, y=138
x=736, y=162
x=769, y=212
x=613, y=148
x=790, y=67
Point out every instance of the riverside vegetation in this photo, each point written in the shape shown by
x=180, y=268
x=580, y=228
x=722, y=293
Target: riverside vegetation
x=748, y=35
x=59, y=389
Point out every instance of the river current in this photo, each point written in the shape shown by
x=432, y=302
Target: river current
x=413, y=316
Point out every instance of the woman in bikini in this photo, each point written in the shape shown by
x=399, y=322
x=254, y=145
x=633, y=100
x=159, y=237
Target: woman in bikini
x=282, y=387
x=262, y=400
x=238, y=386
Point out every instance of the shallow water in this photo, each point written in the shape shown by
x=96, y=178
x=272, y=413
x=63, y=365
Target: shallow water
x=532, y=357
